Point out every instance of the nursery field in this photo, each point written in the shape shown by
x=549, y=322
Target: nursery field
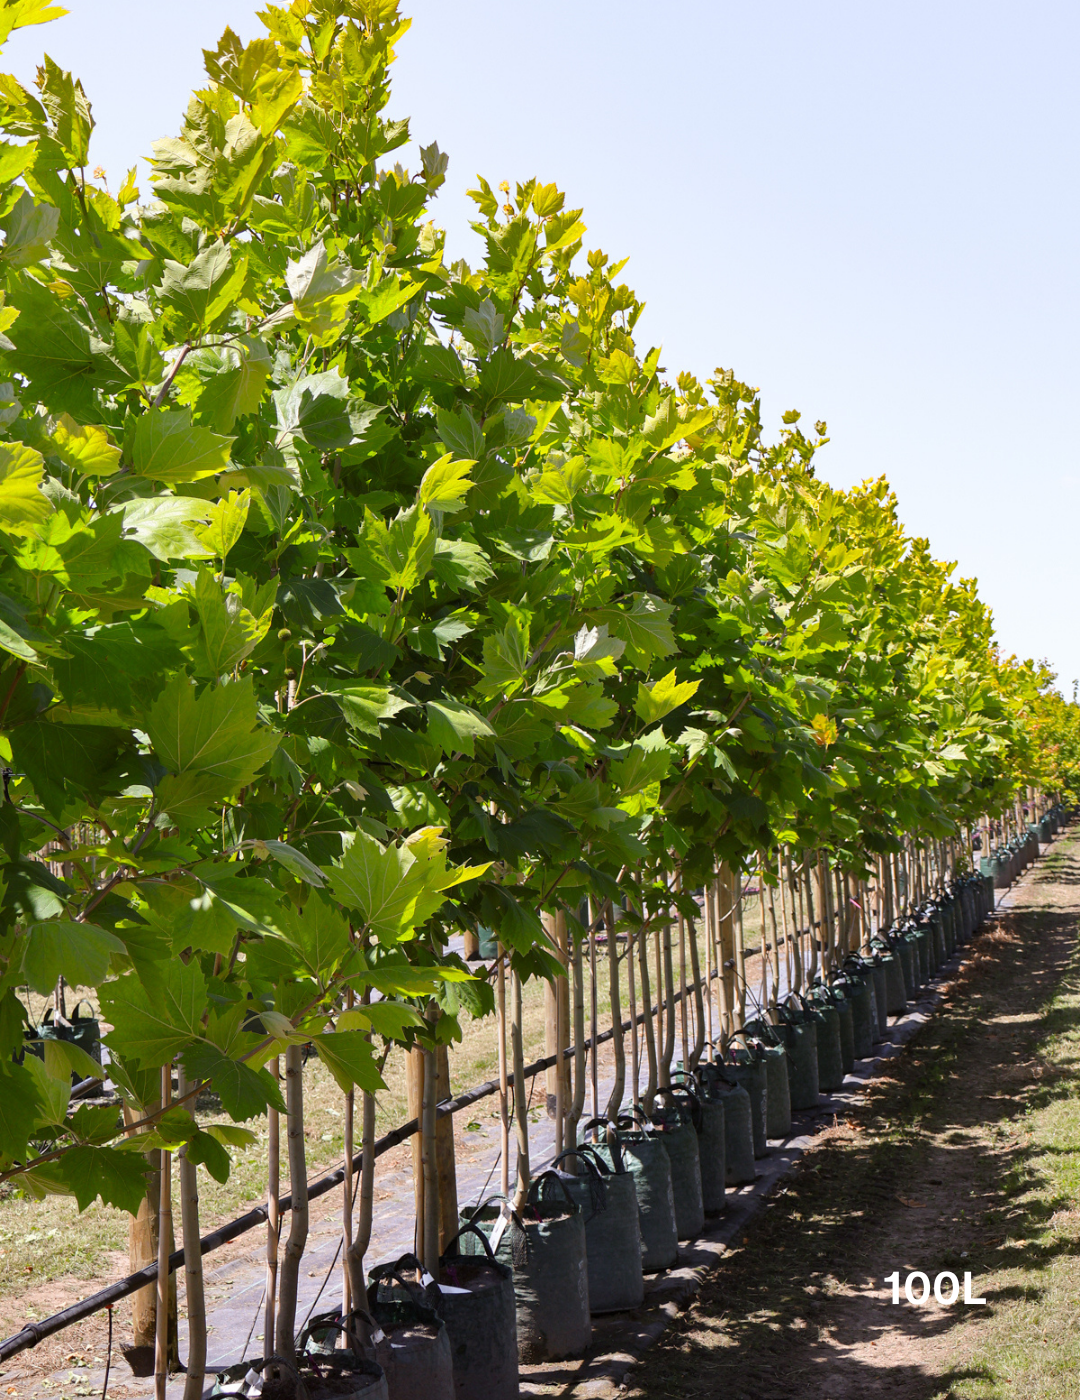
x=965, y=1158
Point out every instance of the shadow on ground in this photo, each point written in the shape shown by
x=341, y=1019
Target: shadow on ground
x=927, y=1175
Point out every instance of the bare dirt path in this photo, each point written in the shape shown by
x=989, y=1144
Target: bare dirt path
x=955, y=1162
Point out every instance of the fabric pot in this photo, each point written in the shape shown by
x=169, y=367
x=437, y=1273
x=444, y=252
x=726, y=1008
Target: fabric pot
x=847, y=1034
x=546, y=1251
x=679, y=1135
x=748, y=1069
x=800, y=1041
x=606, y=1196
x=712, y=1153
x=880, y=981
x=859, y=995
x=645, y=1158
x=476, y=1301
x=922, y=939
x=778, y=1091
x=342, y=1375
x=739, y=1166
x=414, y=1350
x=895, y=988
x=830, y=1055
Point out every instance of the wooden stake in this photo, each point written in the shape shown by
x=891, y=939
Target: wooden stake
x=618, y=1042
x=273, y=1214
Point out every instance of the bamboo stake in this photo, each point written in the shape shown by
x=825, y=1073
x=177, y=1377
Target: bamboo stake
x=347, y=1188
x=774, y=999
x=193, y=1269
x=578, y=1105
x=298, y=1224
x=504, y=1087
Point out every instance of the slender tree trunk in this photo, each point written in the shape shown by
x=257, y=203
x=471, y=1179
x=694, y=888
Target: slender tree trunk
x=273, y=1214
x=445, y=1160
x=699, y=1004
x=635, y=1044
x=740, y=951
x=668, y=985
x=521, y=1102
x=649, y=1097
x=618, y=1042
x=193, y=1269
x=414, y=1092
x=684, y=1000
x=298, y=1221
x=161, y=1335
x=594, y=1027
x=578, y=1105
x=362, y=1238
x=504, y=1091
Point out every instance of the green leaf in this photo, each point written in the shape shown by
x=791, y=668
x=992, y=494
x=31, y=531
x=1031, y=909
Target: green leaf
x=349, y=1058
x=646, y=628
x=445, y=484
x=63, y=1058
x=461, y=564
x=96, y=1123
x=204, y=1150
x=244, y=1092
x=659, y=699
x=21, y=1109
x=117, y=1177
x=165, y=525
x=397, y=888
x=456, y=727
x=54, y=1091
x=87, y=451
x=78, y=952
x=295, y=862
x=169, y=449
x=153, y=1030
x=320, y=934
x=364, y=705
x=215, y=735
x=22, y=504
x=29, y=227
x=61, y=759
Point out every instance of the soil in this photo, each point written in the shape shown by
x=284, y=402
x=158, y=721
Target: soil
x=926, y=1175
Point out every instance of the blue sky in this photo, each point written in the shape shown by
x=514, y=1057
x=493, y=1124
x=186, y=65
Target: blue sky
x=870, y=211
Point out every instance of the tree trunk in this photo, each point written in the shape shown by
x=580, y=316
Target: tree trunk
x=521, y=1101
x=362, y=1237
x=193, y=1269
x=273, y=1214
x=504, y=1092
x=444, y=1155
x=161, y=1333
x=430, y=1233
x=414, y=1108
x=298, y=1224
x=649, y=1096
x=618, y=1042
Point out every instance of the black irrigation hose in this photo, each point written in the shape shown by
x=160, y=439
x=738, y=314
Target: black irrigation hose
x=35, y=1332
